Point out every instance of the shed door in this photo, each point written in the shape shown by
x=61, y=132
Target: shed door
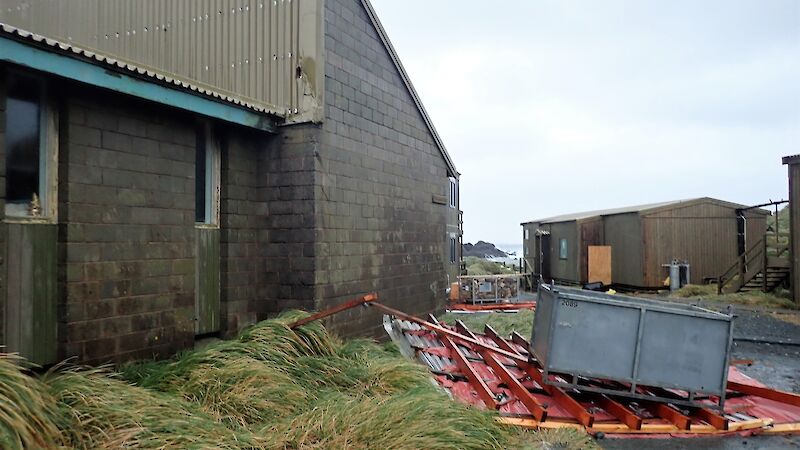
x=207, y=260
x=543, y=256
x=600, y=264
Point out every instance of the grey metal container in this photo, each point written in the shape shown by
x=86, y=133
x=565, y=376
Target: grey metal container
x=633, y=342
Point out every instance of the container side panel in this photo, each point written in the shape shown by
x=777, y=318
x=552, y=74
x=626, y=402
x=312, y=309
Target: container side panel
x=601, y=338
x=686, y=352
x=540, y=339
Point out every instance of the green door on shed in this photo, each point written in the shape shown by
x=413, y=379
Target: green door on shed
x=32, y=292
x=207, y=292
x=207, y=237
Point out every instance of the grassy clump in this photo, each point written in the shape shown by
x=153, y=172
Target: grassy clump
x=102, y=411
x=480, y=266
x=778, y=299
x=420, y=418
x=28, y=416
x=695, y=290
x=503, y=322
x=272, y=388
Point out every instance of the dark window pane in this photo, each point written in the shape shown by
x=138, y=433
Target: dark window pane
x=23, y=113
x=200, y=177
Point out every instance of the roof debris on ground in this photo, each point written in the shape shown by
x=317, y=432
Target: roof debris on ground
x=492, y=372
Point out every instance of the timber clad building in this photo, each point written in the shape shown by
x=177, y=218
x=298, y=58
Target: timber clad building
x=628, y=246
x=171, y=170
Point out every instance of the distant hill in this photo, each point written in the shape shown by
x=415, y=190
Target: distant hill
x=483, y=249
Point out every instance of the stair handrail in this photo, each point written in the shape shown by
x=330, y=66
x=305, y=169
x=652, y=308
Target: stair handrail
x=742, y=263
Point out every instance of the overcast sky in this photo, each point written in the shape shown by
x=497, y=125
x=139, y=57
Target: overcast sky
x=551, y=107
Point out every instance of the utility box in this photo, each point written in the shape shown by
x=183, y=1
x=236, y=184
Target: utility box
x=627, y=342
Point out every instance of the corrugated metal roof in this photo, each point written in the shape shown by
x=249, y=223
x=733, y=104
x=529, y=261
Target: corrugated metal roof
x=639, y=209
x=609, y=212
x=791, y=159
x=156, y=76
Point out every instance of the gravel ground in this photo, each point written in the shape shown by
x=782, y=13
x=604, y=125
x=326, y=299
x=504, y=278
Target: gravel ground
x=774, y=365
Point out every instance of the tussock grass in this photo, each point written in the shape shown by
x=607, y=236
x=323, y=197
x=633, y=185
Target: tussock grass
x=28, y=416
x=421, y=418
x=102, y=411
x=272, y=388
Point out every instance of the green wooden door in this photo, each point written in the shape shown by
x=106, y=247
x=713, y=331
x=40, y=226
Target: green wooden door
x=207, y=293
x=32, y=292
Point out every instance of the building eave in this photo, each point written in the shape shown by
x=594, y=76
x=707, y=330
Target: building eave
x=373, y=16
x=49, y=56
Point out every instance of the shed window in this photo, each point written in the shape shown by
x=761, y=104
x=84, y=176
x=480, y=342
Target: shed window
x=527, y=233
x=453, y=252
x=562, y=248
x=27, y=148
x=453, y=192
x=206, y=177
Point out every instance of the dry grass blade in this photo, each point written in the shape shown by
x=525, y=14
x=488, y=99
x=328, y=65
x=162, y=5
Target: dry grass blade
x=109, y=413
x=412, y=420
x=28, y=416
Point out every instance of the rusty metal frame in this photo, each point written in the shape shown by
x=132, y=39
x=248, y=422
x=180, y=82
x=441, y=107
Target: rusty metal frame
x=475, y=380
x=519, y=377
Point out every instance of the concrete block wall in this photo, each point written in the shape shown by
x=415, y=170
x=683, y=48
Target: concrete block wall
x=289, y=236
x=3, y=232
x=378, y=170
x=126, y=210
x=241, y=221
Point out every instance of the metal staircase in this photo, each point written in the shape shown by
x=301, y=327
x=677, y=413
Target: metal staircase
x=763, y=267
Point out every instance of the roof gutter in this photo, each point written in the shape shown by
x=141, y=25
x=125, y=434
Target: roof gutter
x=23, y=54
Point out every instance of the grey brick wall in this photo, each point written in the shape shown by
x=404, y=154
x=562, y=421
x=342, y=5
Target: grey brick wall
x=241, y=219
x=3, y=232
x=127, y=218
x=310, y=217
x=289, y=236
x=378, y=170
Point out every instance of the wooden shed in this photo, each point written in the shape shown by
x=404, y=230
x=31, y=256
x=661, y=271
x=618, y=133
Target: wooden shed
x=628, y=247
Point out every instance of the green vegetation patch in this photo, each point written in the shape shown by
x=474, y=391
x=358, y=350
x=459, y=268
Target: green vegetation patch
x=271, y=388
x=502, y=322
x=480, y=266
x=778, y=299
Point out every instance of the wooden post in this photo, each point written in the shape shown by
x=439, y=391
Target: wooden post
x=765, y=265
x=742, y=270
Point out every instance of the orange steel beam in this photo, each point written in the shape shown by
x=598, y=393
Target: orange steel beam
x=771, y=394
x=559, y=395
x=474, y=379
x=364, y=299
x=519, y=340
x=712, y=418
x=536, y=409
x=499, y=340
x=462, y=328
x=564, y=400
x=671, y=414
x=620, y=411
x=447, y=332
x=562, y=397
